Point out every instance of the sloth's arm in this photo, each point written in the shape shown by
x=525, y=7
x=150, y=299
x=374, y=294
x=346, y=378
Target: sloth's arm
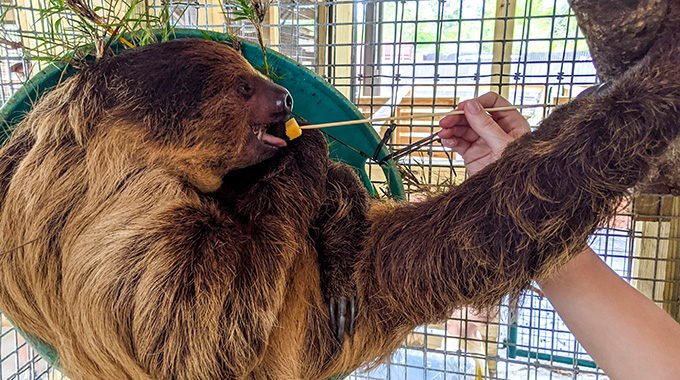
x=338, y=233
x=208, y=295
x=527, y=213
x=219, y=266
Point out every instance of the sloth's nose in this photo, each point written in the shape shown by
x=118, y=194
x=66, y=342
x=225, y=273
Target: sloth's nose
x=285, y=104
x=279, y=102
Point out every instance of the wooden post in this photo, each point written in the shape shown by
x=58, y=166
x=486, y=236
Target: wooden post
x=211, y=15
x=272, y=35
x=10, y=17
x=29, y=21
x=655, y=269
x=341, y=73
x=671, y=294
x=322, y=18
x=504, y=28
x=650, y=259
x=371, y=49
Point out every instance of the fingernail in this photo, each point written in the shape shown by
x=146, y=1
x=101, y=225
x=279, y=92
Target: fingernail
x=473, y=105
x=450, y=143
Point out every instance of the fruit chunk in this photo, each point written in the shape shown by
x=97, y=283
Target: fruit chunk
x=293, y=130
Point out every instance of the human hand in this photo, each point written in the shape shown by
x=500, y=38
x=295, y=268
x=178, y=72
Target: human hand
x=478, y=137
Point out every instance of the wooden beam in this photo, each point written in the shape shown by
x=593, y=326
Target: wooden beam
x=655, y=261
x=650, y=259
x=343, y=40
x=322, y=17
x=10, y=17
x=671, y=294
x=272, y=35
x=28, y=21
x=211, y=15
x=371, y=47
x=504, y=29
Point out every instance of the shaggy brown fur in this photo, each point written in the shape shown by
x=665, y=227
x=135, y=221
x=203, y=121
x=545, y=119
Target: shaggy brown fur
x=620, y=34
x=150, y=255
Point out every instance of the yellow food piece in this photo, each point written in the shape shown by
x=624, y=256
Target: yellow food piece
x=293, y=130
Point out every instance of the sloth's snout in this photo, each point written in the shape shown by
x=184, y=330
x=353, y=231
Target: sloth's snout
x=286, y=103
x=282, y=103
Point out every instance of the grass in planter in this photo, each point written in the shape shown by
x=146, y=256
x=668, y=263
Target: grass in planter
x=74, y=32
x=255, y=12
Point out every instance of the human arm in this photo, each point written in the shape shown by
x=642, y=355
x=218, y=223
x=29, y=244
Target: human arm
x=628, y=335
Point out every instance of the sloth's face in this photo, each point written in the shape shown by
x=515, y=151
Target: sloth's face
x=240, y=117
x=196, y=107
x=269, y=107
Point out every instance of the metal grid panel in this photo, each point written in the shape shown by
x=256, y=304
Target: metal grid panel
x=403, y=56
x=18, y=361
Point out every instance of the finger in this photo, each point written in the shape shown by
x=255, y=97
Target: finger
x=463, y=132
x=511, y=120
x=515, y=124
x=485, y=126
x=457, y=145
x=492, y=100
x=446, y=134
x=452, y=120
x=466, y=133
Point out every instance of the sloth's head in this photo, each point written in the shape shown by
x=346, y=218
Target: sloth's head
x=193, y=105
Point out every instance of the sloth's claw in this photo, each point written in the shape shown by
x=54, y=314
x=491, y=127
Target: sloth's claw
x=342, y=310
x=352, y=314
x=342, y=313
x=332, y=314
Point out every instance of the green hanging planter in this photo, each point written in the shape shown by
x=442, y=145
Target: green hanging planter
x=315, y=101
x=311, y=93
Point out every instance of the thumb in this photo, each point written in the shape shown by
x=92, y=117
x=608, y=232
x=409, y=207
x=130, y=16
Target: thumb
x=485, y=126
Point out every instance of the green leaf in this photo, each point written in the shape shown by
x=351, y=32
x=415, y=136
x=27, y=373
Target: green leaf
x=206, y=35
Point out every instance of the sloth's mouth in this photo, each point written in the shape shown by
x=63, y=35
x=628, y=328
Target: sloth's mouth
x=271, y=134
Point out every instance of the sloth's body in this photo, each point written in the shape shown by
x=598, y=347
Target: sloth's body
x=164, y=240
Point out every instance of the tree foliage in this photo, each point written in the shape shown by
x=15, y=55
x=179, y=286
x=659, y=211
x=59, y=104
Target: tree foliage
x=467, y=26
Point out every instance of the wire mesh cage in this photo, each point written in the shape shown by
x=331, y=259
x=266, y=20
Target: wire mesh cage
x=393, y=58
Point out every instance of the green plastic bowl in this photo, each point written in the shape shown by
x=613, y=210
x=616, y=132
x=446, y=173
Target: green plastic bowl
x=315, y=101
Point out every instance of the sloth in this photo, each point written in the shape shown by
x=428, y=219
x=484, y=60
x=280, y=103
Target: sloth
x=157, y=224
x=620, y=35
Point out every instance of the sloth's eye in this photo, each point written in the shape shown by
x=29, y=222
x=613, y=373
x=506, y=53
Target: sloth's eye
x=245, y=90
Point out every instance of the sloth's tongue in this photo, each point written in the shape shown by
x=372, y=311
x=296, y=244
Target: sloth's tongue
x=273, y=140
